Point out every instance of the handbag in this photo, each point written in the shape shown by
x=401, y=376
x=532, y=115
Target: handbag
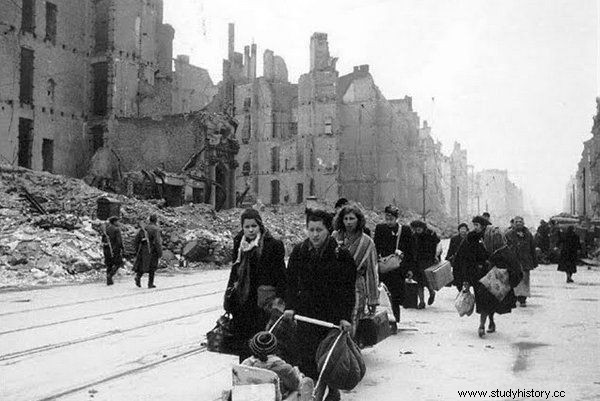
x=265, y=294
x=393, y=261
x=465, y=302
x=221, y=338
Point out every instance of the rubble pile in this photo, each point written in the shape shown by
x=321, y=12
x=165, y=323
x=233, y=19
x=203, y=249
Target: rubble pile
x=64, y=243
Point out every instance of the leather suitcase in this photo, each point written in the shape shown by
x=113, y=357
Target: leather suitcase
x=411, y=299
x=439, y=275
x=373, y=329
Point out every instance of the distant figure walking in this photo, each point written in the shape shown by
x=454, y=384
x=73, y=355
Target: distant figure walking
x=112, y=244
x=520, y=240
x=542, y=239
x=148, y=245
x=457, y=242
x=425, y=243
x=570, y=245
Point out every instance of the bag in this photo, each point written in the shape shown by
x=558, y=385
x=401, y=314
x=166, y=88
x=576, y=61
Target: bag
x=385, y=302
x=496, y=281
x=265, y=294
x=393, y=261
x=373, y=329
x=439, y=275
x=230, y=300
x=339, y=361
x=411, y=298
x=221, y=338
x=465, y=303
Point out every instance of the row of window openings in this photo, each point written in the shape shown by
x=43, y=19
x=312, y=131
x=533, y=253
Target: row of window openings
x=25, y=148
x=28, y=19
x=276, y=192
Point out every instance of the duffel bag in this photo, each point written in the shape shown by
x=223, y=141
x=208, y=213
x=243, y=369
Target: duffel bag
x=339, y=361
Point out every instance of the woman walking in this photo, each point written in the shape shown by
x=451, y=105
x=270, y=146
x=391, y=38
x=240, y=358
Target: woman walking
x=570, y=245
x=349, y=224
x=320, y=284
x=387, y=243
x=521, y=241
x=473, y=262
x=257, y=278
x=425, y=243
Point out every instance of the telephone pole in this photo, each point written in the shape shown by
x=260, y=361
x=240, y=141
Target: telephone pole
x=458, y=204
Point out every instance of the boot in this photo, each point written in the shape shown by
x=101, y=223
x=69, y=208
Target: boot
x=138, y=280
x=151, y=280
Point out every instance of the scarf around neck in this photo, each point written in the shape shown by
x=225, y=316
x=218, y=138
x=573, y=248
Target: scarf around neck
x=243, y=269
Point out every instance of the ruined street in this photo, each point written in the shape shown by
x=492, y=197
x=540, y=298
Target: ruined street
x=94, y=342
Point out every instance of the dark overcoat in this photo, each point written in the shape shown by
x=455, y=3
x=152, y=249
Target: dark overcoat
x=321, y=285
x=112, y=246
x=267, y=267
x=524, y=247
x=148, y=246
x=424, y=251
x=570, y=245
x=385, y=243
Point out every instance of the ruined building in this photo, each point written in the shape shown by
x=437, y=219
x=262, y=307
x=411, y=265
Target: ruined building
x=70, y=68
x=330, y=136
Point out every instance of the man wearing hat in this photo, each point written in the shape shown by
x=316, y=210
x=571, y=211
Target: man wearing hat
x=148, y=245
x=112, y=244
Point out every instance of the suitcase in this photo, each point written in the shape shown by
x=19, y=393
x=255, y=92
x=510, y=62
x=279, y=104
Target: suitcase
x=411, y=298
x=373, y=329
x=439, y=275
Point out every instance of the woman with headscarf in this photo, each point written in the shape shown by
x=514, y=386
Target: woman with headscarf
x=570, y=245
x=256, y=280
x=484, y=248
x=456, y=242
x=387, y=243
x=321, y=280
x=349, y=224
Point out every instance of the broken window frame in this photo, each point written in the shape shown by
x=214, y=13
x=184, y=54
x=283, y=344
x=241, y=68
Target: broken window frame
x=300, y=193
x=51, y=89
x=48, y=155
x=246, y=169
x=275, y=192
x=100, y=88
x=275, y=166
x=51, y=22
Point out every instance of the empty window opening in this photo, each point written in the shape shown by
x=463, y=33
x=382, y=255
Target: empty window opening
x=311, y=189
x=48, y=155
x=26, y=82
x=246, y=131
x=299, y=193
x=293, y=128
x=246, y=169
x=25, y=142
x=300, y=158
x=275, y=159
x=100, y=74
x=51, y=89
x=274, y=132
x=51, y=22
x=28, y=16
x=97, y=138
x=328, y=123
x=275, y=192
x=101, y=8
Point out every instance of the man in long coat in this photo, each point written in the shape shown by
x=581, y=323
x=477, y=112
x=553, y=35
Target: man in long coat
x=148, y=246
x=522, y=243
x=112, y=244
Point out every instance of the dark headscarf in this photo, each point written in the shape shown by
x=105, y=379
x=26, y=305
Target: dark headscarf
x=418, y=224
x=481, y=220
x=392, y=210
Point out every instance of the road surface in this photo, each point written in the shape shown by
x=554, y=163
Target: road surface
x=93, y=342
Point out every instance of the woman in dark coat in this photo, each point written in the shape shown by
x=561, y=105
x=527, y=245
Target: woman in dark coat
x=570, y=245
x=259, y=263
x=456, y=242
x=473, y=261
x=386, y=237
x=321, y=284
x=425, y=243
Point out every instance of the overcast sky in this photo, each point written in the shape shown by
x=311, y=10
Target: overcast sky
x=514, y=81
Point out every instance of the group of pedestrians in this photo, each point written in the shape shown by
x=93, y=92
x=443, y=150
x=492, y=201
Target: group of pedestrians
x=332, y=276
x=147, y=245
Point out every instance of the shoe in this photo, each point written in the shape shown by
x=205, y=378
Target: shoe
x=151, y=286
x=109, y=282
x=523, y=304
x=570, y=280
x=492, y=328
x=137, y=282
x=421, y=305
x=431, y=298
x=481, y=332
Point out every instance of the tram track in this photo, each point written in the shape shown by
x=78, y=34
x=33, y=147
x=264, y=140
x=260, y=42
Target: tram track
x=107, y=298
x=109, y=333
x=128, y=372
x=38, y=326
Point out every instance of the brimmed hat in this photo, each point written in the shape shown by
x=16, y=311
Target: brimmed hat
x=481, y=220
x=263, y=343
x=418, y=224
x=113, y=219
